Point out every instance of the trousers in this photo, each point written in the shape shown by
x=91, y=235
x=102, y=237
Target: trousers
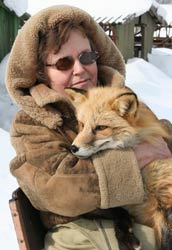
x=84, y=234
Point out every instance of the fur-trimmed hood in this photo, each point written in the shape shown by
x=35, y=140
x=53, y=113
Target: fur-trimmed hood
x=21, y=70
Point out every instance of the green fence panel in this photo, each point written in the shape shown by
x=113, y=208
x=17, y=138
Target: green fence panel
x=9, y=25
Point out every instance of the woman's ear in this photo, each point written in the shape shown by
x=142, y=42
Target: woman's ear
x=76, y=96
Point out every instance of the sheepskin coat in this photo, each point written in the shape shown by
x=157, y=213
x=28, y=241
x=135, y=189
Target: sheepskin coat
x=58, y=184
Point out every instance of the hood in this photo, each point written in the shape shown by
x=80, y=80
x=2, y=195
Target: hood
x=22, y=64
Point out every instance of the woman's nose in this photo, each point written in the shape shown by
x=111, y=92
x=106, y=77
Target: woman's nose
x=78, y=68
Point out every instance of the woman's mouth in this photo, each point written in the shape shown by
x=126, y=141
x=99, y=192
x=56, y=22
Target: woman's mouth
x=81, y=83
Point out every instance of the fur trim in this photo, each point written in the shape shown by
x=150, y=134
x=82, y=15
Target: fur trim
x=21, y=70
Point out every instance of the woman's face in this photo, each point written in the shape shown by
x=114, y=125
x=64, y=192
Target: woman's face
x=79, y=75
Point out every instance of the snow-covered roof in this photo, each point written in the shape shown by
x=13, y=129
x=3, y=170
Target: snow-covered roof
x=111, y=10
x=103, y=11
x=18, y=6
x=163, y=11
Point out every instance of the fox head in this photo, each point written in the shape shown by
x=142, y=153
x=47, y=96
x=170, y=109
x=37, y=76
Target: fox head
x=111, y=118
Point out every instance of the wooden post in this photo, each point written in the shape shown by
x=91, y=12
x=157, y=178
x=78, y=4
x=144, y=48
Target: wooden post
x=125, y=39
x=148, y=27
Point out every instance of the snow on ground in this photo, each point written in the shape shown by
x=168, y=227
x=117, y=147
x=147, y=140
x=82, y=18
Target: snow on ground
x=7, y=107
x=152, y=85
x=7, y=185
x=162, y=59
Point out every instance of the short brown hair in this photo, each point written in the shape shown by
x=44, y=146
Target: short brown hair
x=52, y=40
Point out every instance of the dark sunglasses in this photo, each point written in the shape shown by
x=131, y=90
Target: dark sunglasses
x=66, y=63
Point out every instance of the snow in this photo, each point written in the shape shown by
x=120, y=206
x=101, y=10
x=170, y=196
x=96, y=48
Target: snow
x=152, y=81
x=7, y=185
x=164, y=10
x=152, y=85
x=18, y=6
x=98, y=9
x=6, y=104
x=119, y=12
x=162, y=59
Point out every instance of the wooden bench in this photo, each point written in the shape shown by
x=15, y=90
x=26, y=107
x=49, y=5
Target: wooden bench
x=29, y=229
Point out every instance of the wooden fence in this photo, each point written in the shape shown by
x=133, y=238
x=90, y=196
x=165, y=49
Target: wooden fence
x=9, y=26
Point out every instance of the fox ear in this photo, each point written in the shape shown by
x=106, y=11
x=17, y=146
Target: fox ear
x=77, y=96
x=126, y=104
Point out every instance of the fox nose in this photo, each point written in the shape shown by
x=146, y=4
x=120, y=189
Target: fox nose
x=74, y=149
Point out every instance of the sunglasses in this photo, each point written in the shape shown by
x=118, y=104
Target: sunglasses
x=66, y=63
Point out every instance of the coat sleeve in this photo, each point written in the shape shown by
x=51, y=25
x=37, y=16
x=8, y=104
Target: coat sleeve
x=56, y=181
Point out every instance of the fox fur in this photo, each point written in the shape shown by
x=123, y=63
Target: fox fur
x=114, y=118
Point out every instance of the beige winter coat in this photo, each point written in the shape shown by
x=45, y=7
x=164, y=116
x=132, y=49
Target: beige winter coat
x=61, y=186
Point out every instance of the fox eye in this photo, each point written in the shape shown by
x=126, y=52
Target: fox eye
x=100, y=127
x=80, y=125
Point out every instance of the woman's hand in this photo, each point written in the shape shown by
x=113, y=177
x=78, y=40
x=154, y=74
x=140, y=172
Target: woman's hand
x=146, y=152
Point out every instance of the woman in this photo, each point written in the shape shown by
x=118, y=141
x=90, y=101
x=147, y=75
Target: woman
x=62, y=46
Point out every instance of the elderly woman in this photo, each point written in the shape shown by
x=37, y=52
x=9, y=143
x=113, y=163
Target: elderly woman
x=62, y=46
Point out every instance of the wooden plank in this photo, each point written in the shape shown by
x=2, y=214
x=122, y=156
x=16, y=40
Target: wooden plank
x=28, y=226
x=148, y=27
x=129, y=40
x=125, y=39
x=2, y=33
x=18, y=225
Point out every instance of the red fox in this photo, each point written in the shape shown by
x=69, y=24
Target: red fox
x=114, y=118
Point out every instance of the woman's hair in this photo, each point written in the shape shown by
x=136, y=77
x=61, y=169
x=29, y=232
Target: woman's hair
x=52, y=40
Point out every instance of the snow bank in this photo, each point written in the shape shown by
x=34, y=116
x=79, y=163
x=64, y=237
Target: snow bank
x=7, y=107
x=152, y=85
x=162, y=58
x=3, y=65
x=7, y=185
